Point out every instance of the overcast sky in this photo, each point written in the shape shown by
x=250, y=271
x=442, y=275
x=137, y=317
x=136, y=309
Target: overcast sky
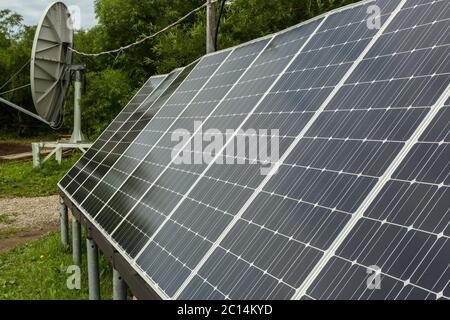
x=31, y=10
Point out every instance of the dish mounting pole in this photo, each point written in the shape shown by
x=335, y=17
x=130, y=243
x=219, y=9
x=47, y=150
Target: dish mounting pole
x=77, y=134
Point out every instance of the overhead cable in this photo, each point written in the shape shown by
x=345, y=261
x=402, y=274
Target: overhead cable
x=15, y=89
x=145, y=38
x=222, y=8
x=15, y=74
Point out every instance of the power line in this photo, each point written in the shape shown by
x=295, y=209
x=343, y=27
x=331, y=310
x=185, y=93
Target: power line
x=222, y=8
x=15, y=89
x=15, y=74
x=118, y=50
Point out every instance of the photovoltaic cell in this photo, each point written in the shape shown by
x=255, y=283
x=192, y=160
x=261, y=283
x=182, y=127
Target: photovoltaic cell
x=155, y=81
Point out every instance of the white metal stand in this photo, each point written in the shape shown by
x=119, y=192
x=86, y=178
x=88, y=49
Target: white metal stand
x=77, y=140
x=77, y=135
x=58, y=148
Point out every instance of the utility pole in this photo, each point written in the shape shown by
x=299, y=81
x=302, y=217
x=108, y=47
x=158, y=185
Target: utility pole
x=210, y=26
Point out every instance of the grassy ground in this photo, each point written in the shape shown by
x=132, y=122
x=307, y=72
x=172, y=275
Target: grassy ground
x=20, y=179
x=6, y=218
x=37, y=271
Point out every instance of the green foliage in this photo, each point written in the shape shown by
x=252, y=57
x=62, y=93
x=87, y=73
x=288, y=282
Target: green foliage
x=37, y=271
x=186, y=45
x=22, y=180
x=8, y=22
x=15, y=47
x=123, y=21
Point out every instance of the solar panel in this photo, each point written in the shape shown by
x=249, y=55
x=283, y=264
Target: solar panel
x=361, y=181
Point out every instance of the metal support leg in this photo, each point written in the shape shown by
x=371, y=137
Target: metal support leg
x=36, y=149
x=76, y=241
x=58, y=155
x=77, y=135
x=93, y=273
x=64, y=216
x=119, y=286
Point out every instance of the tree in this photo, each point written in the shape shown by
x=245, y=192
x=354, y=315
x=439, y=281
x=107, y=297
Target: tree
x=9, y=23
x=15, y=48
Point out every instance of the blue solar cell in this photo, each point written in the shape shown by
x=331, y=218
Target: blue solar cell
x=362, y=183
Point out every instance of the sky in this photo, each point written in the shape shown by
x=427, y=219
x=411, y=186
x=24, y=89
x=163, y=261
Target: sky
x=31, y=10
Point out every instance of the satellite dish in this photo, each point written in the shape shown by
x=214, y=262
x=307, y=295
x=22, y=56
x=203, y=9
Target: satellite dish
x=50, y=75
x=51, y=60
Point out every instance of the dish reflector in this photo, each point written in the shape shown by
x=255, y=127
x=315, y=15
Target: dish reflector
x=51, y=60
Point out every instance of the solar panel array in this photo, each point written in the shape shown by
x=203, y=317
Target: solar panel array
x=361, y=184
x=118, y=128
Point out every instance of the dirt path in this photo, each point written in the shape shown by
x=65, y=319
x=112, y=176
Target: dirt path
x=7, y=148
x=25, y=219
x=20, y=237
x=11, y=149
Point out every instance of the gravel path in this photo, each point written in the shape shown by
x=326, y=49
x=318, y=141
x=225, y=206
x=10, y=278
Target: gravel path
x=27, y=213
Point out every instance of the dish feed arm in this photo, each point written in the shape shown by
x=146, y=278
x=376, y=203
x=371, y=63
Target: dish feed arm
x=29, y=113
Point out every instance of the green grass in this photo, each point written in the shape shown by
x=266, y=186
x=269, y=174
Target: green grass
x=20, y=179
x=6, y=218
x=10, y=232
x=37, y=271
